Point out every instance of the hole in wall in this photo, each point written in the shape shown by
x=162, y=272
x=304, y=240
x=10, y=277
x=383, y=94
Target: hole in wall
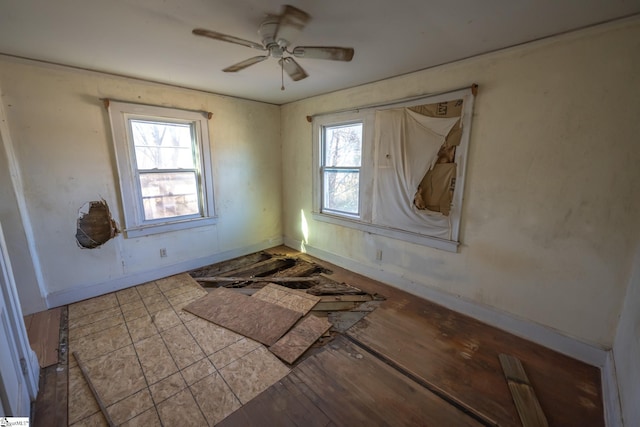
x=95, y=225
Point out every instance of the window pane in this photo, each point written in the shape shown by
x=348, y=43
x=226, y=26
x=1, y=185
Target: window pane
x=162, y=145
x=166, y=195
x=343, y=145
x=341, y=191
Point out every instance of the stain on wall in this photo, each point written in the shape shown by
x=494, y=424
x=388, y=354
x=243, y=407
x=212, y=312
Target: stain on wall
x=95, y=225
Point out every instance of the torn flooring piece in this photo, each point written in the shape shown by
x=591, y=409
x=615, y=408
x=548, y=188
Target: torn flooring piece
x=256, y=319
x=295, y=342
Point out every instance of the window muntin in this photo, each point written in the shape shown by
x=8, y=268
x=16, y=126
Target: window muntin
x=168, y=168
x=341, y=163
x=169, y=195
x=164, y=168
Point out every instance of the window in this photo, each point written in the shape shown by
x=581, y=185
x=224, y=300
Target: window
x=341, y=161
x=396, y=170
x=164, y=167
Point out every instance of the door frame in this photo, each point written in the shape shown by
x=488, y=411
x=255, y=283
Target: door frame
x=21, y=347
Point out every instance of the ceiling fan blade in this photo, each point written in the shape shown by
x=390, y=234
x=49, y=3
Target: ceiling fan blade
x=295, y=71
x=292, y=22
x=324, y=52
x=226, y=38
x=244, y=64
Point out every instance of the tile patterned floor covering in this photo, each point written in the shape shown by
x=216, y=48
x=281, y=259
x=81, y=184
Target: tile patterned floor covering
x=154, y=364
x=292, y=299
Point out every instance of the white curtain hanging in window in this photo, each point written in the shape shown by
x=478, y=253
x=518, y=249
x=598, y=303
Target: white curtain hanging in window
x=407, y=145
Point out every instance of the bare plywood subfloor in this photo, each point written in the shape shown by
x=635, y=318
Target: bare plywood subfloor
x=154, y=364
x=259, y=320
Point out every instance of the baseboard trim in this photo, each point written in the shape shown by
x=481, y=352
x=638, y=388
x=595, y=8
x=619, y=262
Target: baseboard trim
x=611, y=393
x=79, y=293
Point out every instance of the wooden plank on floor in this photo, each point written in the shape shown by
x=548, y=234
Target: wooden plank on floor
x=45, y=410
x=300, y=269
x=328, y=286
x=344, y=385
x=524, y=396
x=262, y=268
x=282, y=405
x=96, y=395
x=454, y=369
x=259, y=320
x=44, y=335
x=50, y=407
x=232, y=264
x=295, y=342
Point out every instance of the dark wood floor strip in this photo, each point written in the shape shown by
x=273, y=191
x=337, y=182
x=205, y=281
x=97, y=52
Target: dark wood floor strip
x=481, y=418
x=43, y=329
x=344, y=385
x=460, y=356
x=50, y=408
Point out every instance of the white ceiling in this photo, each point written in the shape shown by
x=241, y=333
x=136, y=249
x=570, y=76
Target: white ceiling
x=151, y=39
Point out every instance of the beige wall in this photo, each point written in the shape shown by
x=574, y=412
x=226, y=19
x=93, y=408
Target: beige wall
x=550, y=217
x=62, y=142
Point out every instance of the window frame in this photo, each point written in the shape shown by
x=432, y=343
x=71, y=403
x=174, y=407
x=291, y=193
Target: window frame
x=365, y=177
x=364, y=221
x=135, y=224
x=348, y=169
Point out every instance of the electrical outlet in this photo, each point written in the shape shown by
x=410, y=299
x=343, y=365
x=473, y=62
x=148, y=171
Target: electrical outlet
x=379, y=255
x=163, y=252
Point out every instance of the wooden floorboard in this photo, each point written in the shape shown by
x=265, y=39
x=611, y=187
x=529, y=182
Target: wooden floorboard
x=50, y=408
x=344, y=385
x=43, y=329
x=459, y=356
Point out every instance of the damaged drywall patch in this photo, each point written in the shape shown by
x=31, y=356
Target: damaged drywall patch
x=95, y=225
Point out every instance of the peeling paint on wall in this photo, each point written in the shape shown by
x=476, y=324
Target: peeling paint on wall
x=95, y=225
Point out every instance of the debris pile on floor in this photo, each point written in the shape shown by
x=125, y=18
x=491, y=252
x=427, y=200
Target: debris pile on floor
x=286, y=303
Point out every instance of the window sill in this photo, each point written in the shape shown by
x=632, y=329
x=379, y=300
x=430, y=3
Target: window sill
x=419, y=239
x=165, y=227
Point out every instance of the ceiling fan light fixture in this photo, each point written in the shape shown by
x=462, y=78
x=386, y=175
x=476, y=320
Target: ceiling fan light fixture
x=276, y=33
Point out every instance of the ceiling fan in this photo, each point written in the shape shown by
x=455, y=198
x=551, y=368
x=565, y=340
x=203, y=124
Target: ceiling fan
x=277, y=33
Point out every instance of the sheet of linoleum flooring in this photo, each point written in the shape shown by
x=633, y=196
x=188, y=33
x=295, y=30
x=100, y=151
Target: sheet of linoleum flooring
x=152, y=362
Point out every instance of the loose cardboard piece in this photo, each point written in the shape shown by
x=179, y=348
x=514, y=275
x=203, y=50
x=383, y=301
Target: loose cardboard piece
x=291, y=346
x=256, y=319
